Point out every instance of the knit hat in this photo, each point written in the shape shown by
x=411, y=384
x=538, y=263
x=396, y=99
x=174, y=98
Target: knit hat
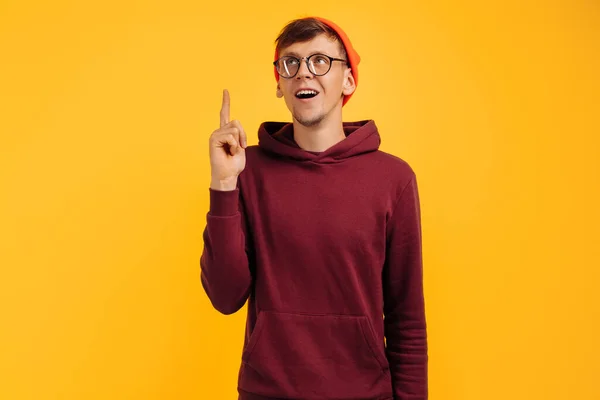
x=353, y=57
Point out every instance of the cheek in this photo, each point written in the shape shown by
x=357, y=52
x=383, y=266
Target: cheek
x=287, y=91
x=333, y=87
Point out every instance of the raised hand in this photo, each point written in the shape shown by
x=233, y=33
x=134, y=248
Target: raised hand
x=227, y=150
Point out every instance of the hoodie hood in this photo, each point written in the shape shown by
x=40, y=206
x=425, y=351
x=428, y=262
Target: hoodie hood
x=278, y=138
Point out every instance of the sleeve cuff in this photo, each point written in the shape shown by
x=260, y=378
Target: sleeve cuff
x=224, y=203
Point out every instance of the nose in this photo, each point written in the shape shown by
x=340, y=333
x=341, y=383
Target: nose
x=303, y=71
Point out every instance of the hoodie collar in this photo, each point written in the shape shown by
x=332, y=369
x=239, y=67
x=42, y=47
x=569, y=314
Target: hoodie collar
x=361, y=137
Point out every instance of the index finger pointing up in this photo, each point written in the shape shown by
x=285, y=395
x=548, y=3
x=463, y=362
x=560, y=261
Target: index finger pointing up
x=225, y=108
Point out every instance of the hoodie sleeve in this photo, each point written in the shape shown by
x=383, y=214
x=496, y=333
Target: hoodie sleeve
x=404, y=307
x=225, y=270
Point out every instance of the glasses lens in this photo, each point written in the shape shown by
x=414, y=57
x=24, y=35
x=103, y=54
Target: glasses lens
x=287, y=66
x=319, y=64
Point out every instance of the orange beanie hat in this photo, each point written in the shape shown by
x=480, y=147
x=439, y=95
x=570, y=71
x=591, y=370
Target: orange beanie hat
x=353, y=57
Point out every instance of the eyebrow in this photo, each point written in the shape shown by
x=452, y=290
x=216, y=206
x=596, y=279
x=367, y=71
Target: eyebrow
x=293, y=53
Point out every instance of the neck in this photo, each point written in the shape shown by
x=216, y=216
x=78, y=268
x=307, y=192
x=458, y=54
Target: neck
x=319, y=137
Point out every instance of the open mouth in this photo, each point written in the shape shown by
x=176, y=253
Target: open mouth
x=306, y=94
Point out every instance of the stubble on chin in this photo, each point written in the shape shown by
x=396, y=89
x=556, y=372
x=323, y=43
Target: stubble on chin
x=309, y=121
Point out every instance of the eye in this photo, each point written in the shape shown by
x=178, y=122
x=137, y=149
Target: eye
x=290, y=61
x=320, y=59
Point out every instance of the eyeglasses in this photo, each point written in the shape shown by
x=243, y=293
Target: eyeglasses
x=318, y=64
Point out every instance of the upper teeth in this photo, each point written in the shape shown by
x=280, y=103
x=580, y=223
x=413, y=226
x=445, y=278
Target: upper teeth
x=307, y=92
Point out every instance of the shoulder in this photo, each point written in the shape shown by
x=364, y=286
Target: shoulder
x=393, y=167
x=400, y=165
x=395, y=174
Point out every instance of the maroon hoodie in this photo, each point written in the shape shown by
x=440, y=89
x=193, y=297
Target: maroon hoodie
x=326, y=248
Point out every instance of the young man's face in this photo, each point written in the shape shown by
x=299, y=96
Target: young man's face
x=330, y=87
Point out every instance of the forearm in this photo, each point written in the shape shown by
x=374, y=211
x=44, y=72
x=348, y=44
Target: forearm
x=404, y=304
x=225, y=270
x=406, y=350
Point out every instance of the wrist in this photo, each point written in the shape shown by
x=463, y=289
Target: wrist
x=224, y=184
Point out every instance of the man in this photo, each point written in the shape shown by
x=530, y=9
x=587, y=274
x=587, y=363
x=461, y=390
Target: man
x=320, y=231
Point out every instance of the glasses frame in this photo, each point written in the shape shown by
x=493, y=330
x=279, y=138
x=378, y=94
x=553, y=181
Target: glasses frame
x=306, y=60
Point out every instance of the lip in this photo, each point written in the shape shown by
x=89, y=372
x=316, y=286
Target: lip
x=308, y=99
x=305, y=88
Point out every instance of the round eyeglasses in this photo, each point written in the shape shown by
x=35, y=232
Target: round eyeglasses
x=318, y=64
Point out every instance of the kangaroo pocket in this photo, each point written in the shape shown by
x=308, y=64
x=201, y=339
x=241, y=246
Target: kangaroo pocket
x=314, y=356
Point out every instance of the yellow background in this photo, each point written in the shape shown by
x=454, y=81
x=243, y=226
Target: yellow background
x=105, y=113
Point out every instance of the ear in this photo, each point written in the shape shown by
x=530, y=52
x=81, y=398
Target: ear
x=279, y=93
x=349, y=83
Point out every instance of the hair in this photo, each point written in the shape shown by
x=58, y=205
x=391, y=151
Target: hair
x=303, y=30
